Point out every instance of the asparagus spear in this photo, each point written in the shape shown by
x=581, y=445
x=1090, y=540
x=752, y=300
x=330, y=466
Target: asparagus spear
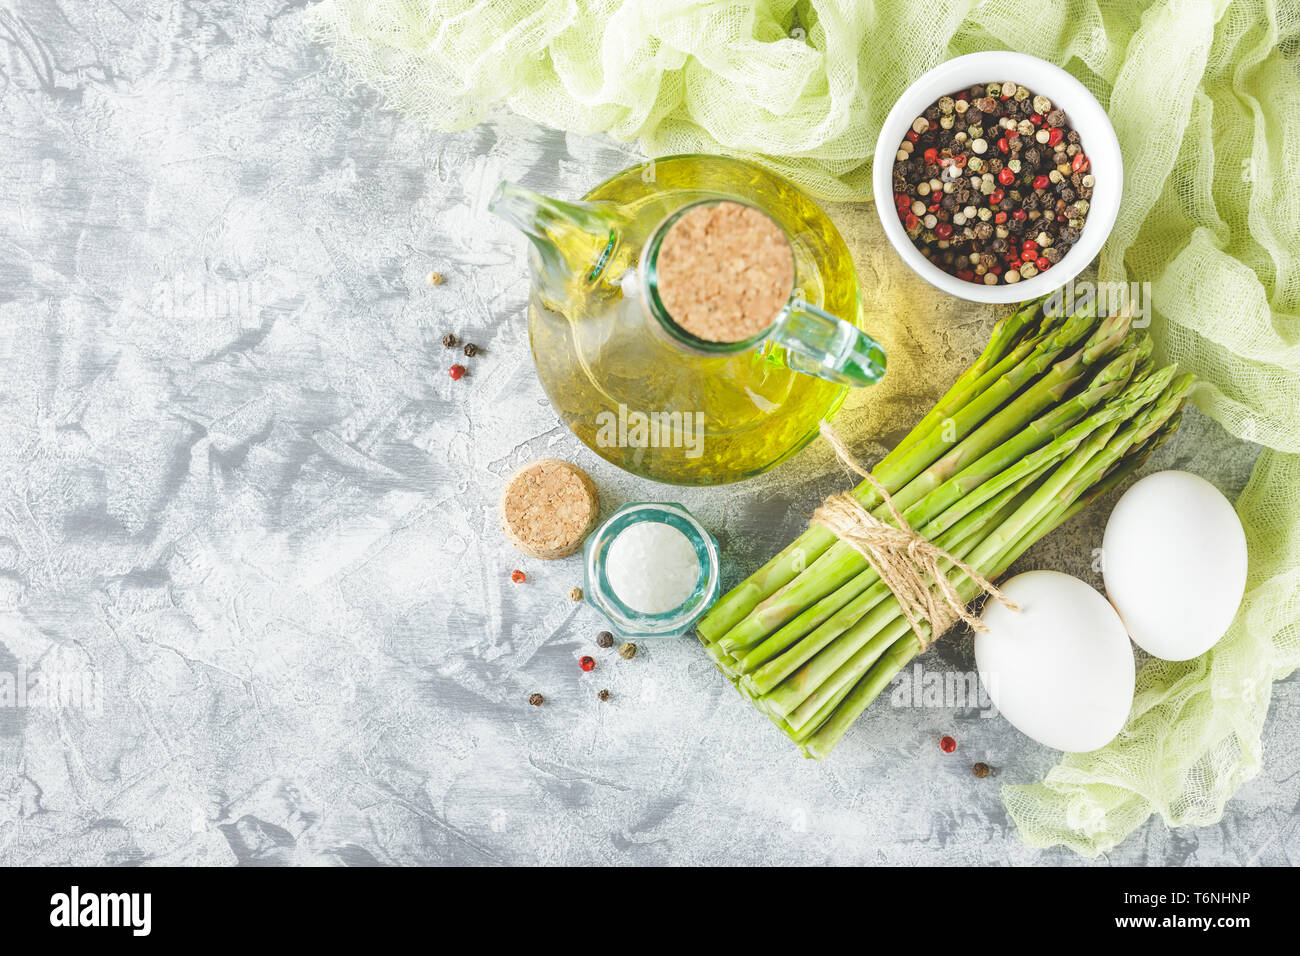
x=1012, y=339
x=1033, y=431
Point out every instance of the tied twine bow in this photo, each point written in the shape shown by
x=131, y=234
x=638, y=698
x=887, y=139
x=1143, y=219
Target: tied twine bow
x=906, y=562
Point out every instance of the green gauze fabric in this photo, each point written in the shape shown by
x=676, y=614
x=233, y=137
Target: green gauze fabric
x=1205, y=97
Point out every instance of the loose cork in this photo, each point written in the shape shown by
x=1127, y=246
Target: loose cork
x=548, y=508
x=725, y=271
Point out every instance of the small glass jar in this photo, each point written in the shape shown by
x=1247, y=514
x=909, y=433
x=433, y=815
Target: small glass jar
x=626, y=620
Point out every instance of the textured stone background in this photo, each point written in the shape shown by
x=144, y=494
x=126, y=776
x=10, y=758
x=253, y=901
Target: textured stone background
x=241, y=497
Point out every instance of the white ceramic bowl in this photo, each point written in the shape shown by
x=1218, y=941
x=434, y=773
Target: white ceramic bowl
x=1084, y=114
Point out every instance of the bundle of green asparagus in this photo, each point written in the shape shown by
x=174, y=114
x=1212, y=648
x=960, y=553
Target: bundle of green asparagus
x=1055, y=412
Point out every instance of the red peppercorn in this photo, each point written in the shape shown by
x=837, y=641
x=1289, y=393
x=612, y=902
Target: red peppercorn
x=1019, y=214
x=965, y=275
x=1080, y=163
x=456, y=372
x=587, y=663
x=518, y=576
x=1000, y=216
x=1029, y=247
x=943, y=230
x=911, y=222
x=1055, y=135
x=1014, y=263
x=933, y=207
x=1043, y=264
x=931, y=155
x=959, y=160
x=1006, y=177
x=1013, y=134
x=912, y=136
x=1036, y=119
x=996, y=197
x=947, y=745
x=1040, y=182
x=1003, y=145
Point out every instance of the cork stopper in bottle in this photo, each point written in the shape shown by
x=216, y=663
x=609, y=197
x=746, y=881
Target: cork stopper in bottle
x=548, y=508
x=725, y=271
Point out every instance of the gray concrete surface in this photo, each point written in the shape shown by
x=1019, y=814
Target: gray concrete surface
x=249, y=521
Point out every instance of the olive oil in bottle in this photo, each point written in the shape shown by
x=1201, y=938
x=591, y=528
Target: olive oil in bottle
x=637, y=387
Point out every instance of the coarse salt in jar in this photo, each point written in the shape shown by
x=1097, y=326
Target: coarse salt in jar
x=652, y=570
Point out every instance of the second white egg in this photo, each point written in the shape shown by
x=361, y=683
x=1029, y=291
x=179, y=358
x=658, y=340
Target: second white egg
x=1061, y=668
x=1174, y=561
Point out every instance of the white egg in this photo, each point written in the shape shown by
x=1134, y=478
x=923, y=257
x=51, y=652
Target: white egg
x=1174, y=563
x=1061, y=668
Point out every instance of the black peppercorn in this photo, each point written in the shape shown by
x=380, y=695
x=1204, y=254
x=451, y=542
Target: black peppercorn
x=449, y=341
x=603, y=695
x=470, y=350
x=980, y=770
x=536, y=700
x=604, y=639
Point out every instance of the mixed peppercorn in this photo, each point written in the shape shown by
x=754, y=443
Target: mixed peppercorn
x=587, y=663
x=449, y=341
x=992, y=184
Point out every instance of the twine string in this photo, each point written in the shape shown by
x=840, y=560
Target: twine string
x=905, y=561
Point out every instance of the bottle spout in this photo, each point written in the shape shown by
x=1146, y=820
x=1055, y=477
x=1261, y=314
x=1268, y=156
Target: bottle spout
x=520, y=207
x=571, y=240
